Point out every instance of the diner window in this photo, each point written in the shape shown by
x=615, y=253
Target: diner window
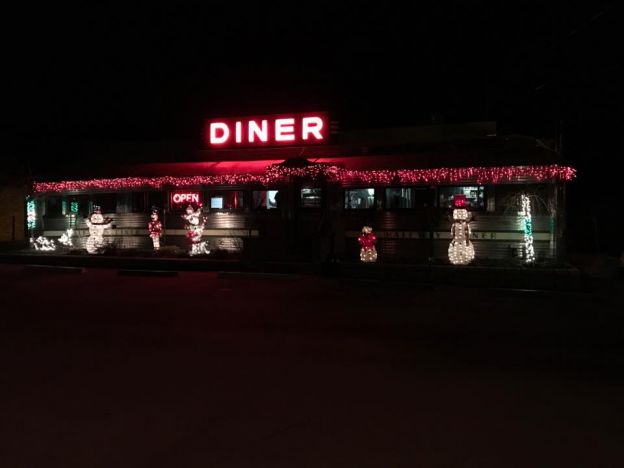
x=124, y=202
x=54, y=206
x=79, y=205
x=106, y=201
x=475, y=196
x=139, y=202
x=401, y=197
x=155, y=199
x=423, y=197
x=226, y=200
x=311, y=197
x=132, y=202
x=268, y=199
x=358, y=199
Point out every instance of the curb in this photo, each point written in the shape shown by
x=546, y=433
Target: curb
x=54, y=269
x=152, y=273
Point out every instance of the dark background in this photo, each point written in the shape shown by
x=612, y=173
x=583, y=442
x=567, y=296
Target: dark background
x=150, y=73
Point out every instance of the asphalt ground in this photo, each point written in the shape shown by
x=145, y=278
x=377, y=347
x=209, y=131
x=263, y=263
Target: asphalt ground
x=200, y=369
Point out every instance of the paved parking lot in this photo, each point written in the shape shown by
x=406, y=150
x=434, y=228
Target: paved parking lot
x=201, y=369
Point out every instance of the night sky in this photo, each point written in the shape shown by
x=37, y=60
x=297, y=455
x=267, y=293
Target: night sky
x=109, y=74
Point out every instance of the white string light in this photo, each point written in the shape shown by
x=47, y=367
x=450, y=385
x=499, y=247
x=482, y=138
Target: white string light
x=529, y=250
x=96, y=224
x=194, y=231
x=43, y=243
x=31, y=214
x=66, y=238
x=367, y=240
x=461, y=251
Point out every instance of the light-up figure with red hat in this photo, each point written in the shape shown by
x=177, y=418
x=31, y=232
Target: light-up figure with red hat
x=97, y=224
x=154, y=227
x=367, y=240
x=461, y=251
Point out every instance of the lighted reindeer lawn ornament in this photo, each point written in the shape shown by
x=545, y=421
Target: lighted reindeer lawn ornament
x=66, y=238
x=461, y=251
x=47, y=245
x=195, y=223
x=97, y=224
x=43, y=244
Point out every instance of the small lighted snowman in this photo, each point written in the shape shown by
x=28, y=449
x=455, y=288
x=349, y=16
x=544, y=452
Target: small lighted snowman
x=461, y=251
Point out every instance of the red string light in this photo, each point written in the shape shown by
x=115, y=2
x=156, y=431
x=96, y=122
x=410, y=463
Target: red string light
x=276, y=174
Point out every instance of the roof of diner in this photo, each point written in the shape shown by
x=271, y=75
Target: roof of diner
x=450, y=152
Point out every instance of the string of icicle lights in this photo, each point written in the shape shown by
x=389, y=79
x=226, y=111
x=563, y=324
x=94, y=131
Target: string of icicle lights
x=277, y=173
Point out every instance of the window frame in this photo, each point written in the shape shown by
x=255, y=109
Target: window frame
x=348, y=208
x=482, y=188
x=263, y=208
x=95, y=201
x=320, y=205
x=210, y=194
x=58, y=206
x=414, y=189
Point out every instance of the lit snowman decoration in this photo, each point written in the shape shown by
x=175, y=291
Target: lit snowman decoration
x=195, y=230
x=97, y=224
x=461, y=251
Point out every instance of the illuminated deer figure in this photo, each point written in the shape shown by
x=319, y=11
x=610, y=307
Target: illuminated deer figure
x=194, y=231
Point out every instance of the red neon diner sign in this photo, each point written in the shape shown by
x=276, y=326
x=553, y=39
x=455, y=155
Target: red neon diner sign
x=268, y=130
x=179, y=198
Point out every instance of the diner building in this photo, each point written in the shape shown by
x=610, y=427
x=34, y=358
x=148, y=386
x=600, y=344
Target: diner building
x=293, y=187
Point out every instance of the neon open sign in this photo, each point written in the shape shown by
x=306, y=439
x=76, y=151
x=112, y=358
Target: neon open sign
x=179, y=198
x=268, y=130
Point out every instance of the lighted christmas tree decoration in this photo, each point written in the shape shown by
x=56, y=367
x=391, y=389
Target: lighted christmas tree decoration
x=529, y=251
x=461, y=251
x=31, y=214
x=194, y=230
x=43, y=244
x=66, y=238
x=97, y=224
x=367, y=240
x=154, y=227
